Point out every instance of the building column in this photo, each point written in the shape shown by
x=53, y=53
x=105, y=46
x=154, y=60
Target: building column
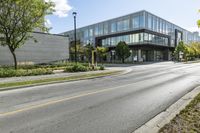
x=139, y=55
x=169, y=55
x=154, y=55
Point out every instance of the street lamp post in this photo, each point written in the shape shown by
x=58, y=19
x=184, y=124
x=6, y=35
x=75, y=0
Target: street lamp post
x=74, y=14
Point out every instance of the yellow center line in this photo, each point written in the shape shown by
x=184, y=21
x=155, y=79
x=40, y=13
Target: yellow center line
x=60, y=100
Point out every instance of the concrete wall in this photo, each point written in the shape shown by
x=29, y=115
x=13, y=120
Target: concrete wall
x=48, y=48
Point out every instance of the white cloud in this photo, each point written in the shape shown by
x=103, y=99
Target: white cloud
x=48, y=23
x=62, y=7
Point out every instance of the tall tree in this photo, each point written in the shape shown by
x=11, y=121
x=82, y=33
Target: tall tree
x=19, y=18
x=122, y=51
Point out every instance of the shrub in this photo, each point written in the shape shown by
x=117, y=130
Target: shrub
x=101, y=67
x=4, y=72
x=76, y=68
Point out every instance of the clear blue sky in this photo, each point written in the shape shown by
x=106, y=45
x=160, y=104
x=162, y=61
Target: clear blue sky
x=181, y=12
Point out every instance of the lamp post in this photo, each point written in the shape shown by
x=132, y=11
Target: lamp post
x=74, y=14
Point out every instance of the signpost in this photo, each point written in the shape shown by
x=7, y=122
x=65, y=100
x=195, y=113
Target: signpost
x=181, y=55
x=94, y=63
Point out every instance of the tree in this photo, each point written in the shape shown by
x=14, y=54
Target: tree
x=181, y=48
x=101, y=52
x=19, y=18
x=88, y=51
x=79, y=47
x=122, y=51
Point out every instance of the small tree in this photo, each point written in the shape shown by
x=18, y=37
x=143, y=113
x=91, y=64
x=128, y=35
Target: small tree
x=18, y=18
x=122, y=51
x=101, y=52
x=79, y=48
x=181, y=47
x=88, y=51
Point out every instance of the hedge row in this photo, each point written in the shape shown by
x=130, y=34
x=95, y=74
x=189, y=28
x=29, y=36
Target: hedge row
x=22, y=72
x=82, y=68
x=44, y=70
x=47, y=66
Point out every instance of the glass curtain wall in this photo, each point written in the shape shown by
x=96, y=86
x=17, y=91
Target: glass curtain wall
x=138, y=38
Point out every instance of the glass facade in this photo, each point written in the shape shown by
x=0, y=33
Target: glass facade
x=105, y=30
x=113, y=27
x=136, y=21
x=123, y=25
x=150, y=26
x=138, y=38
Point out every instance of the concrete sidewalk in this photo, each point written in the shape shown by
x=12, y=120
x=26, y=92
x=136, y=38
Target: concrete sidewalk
x=58, y=75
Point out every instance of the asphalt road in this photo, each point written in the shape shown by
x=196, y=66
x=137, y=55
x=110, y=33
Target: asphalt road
x=115, y=104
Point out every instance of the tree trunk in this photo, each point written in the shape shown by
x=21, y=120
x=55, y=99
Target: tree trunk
x=15, y=59
x=123, y=60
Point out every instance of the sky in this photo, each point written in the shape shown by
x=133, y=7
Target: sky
x=183, y=13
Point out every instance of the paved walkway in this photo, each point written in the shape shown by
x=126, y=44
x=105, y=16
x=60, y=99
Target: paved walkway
x=57, y=75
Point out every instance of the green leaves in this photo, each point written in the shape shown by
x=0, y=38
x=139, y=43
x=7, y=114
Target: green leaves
x=190, y=51
x=198, y=23
x=18, y=18
x=101, y=52
x=122, y=51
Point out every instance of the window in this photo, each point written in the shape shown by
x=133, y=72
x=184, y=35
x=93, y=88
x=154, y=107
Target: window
x=150, y=22
x=166, y=41
x=150, y=38
x=136, y=22
x=85, y=33
x=119, y=26
x=96, y=30
x=105, y=28
x=141, y=37
x=100, y=29
x=127, y=39
x=105, y=42
x=164, y=27
x=126, y=24
x=123, y=25
x=161, y=26
x=146, y=37
x=136, y=38
x=91, y=32
x=158, y=26
x=155, y=24
x=153, y=39
x=141, y=21
x=113, y=27
x=113, y=41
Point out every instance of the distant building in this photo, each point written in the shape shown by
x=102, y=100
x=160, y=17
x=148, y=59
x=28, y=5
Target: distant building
x=150, y=37
x=48, y=48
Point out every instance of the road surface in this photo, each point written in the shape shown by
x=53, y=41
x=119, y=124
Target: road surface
x=115, y=104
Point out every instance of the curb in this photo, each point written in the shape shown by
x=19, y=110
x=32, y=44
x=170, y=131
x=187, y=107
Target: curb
x=62, y=81
x=159, y=121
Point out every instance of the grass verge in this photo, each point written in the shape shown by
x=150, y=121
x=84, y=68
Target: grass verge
x=15, y=85
x=191, y=62
x=188, y=121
